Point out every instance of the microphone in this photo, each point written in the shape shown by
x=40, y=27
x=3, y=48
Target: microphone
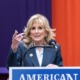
x=53, y=43
x=33, y=47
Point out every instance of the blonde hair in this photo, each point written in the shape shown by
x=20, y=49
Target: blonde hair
x=43, y=20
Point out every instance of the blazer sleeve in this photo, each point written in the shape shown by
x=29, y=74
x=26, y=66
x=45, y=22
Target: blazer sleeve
x=15, y=58
x=58, y=59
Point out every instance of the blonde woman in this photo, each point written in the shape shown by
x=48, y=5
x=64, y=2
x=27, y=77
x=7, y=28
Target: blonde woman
x=32, y=48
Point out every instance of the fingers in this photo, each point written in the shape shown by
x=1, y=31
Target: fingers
x=16, y=39
x=15, y=33
x=17, y=36
x=52, y=65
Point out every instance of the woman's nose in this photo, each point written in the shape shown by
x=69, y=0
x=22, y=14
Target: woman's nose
x=36, y=30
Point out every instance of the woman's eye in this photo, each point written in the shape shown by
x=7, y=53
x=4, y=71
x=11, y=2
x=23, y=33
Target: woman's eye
x=32, y=28
x=40, y=27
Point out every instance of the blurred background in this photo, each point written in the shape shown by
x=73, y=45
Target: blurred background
x=64, y=15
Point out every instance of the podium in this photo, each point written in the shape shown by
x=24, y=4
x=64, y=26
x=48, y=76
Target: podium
x=43, y=73
x=4, y=73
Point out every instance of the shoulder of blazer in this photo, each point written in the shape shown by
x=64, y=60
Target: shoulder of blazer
x=57, y=47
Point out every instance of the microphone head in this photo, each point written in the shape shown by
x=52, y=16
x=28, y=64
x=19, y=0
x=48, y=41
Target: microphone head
x=52, y=42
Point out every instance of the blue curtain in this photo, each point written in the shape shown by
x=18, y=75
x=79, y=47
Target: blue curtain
x=14, y=15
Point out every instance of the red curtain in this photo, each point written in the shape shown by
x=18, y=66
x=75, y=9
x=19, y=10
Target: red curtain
x=66, y=20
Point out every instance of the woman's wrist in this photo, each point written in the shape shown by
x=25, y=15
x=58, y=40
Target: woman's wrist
x=14, y=47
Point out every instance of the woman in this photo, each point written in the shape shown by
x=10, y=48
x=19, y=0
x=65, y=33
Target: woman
x=32, y=48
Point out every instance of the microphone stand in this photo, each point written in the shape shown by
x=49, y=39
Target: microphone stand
x=43, y=46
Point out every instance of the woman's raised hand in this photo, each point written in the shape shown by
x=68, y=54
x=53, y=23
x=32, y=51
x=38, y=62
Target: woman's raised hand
x=16, y=38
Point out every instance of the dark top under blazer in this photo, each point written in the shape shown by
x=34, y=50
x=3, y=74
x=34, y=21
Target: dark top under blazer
x=50, y=56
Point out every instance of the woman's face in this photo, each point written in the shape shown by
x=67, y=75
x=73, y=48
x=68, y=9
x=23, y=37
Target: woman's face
x=37, y=33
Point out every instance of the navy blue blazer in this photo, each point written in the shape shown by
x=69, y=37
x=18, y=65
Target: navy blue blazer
x=24, y=57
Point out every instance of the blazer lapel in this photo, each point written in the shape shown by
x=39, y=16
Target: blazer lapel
x=33, y=57
x=47, y=55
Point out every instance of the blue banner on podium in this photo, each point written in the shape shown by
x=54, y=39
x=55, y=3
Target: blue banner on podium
x=44, y=73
